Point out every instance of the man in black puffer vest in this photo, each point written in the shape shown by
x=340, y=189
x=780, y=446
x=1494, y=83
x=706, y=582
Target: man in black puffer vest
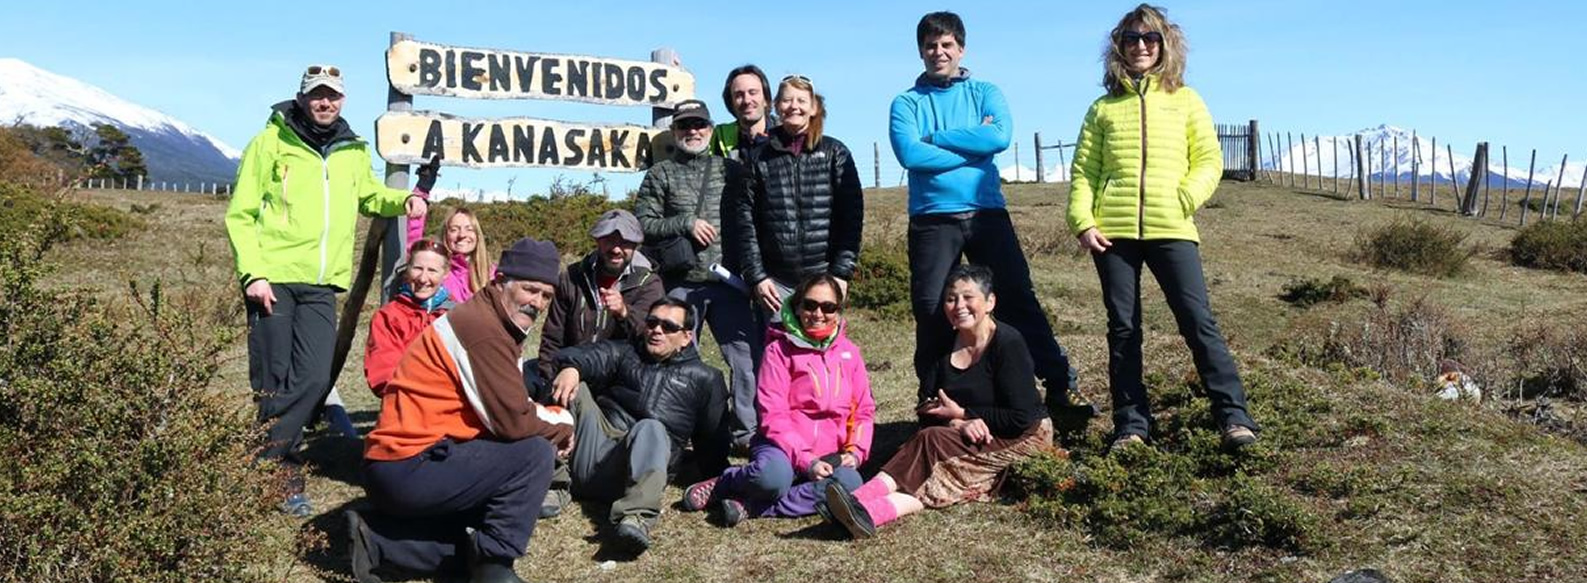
x=636, y=404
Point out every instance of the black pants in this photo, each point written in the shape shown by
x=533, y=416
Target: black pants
x=985, y=238
x=1177, y=266
x=424, y=503
x=289, y=361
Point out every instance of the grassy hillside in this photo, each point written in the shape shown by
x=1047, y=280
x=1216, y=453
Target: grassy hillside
x=1366, y=472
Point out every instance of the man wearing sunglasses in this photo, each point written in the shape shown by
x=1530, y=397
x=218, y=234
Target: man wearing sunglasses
x=301, y=185
x=946, y=131
x=636, y=404
x=679, y=206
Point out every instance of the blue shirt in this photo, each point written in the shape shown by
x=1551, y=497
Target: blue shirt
x=938, y=136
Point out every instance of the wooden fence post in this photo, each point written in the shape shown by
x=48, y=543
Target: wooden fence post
x=1361, y=185
x=1289, y=152
x=1277, y=172
x=1580, y=188
x=1396, y=165
x=1559, y=184
x=1487, y=182
x=1432, y=185
x=1041, y=174
x=1305, y=164
x=1526, y=199
x=1454, y=186
x=1366, y=166
x=1416, y=167
x=1468, y=207
x=876, y=168
x=1333, y=145
x=1504, y=200
x=1253, y=149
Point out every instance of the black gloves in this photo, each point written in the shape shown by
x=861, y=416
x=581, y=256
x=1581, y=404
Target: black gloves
x=428, y=173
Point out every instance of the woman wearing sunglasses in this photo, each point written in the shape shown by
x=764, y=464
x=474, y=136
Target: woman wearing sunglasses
x=979, y=413
x=418, y=303
x=803, y=209
x=1147, y=158
x=816, y=414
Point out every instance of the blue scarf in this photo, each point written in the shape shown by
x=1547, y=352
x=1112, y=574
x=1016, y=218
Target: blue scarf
x=429, y=305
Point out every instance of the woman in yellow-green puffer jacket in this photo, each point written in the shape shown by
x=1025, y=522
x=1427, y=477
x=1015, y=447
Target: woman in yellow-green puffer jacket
x=1146, y=159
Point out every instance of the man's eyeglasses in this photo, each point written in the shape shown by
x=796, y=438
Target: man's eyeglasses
x=317, y=69
x=1130, y=37
x=666, y=325
x=809, y=305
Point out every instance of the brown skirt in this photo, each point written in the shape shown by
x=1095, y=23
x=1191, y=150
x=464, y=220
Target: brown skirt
x=941, y=469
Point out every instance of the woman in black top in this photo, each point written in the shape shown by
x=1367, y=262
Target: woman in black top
x=980, y=412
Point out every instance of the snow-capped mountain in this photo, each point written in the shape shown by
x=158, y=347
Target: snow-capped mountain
x=1023, y=173
x=173, y=151
x=1394, y=149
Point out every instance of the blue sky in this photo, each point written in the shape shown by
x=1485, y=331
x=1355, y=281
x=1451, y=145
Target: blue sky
x=1460, y=71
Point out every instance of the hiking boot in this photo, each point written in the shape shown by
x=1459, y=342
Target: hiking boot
x=1070, y=403
x=847, y=511
x=363, y=565
x=338, y=423
x=487, y=569
x=298, y=505
x=1126, y=440
x=824, y=511
x=634, y=534
x=556, y=500
x=1238, y=436
x=697, y=496
x=733, y=512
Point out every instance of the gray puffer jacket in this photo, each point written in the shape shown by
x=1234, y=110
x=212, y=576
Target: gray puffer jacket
x=671, y=198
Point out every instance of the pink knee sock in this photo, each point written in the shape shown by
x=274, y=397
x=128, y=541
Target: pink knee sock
x=871, y=490
x=880, y=509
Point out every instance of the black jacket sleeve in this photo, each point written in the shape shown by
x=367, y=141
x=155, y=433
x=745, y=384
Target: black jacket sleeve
x=745, y=244
x=597, y=362
x=848, y=214
x=1018, y=405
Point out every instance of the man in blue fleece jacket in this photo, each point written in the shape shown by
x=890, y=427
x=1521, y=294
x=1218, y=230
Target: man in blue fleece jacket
x=946, y=130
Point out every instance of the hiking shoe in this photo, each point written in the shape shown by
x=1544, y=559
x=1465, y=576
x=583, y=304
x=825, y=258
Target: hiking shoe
x=298, y=505
x=338, y=423
x=697, y=496
x=634, y=534
x=847, y=511
x=556, y=500
x=733, y=512
x=1238, y=436
x=1127, y=440
x=1070, y=403
x=363, y=565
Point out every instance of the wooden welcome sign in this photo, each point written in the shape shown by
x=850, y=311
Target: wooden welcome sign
x=421, y=68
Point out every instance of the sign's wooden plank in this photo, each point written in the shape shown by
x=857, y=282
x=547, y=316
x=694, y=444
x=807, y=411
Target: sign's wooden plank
x=421, y=68
x=415, y=137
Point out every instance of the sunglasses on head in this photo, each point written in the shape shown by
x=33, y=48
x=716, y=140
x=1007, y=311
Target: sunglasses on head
x=317, y=69
x=666, y=325
x=810, y=305
x=798, y=77
x=1130, y=37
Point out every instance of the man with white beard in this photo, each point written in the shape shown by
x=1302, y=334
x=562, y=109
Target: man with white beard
x=679, y=206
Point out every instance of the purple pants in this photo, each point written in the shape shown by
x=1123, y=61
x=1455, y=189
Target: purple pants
x=769, y=486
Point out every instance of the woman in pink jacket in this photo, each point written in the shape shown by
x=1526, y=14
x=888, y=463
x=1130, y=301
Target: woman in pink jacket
x=469, y=267
x=816, y=415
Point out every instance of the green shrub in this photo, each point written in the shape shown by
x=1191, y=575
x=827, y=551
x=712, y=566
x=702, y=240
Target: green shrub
x=1404, y=341
x=121, y=462
x=1550, y=359
x=1304, y=293
x=881, y=282
x=564, y=220
x=1414, y=246
x=22, y=208
x=1551, y=245
x=1251, y=512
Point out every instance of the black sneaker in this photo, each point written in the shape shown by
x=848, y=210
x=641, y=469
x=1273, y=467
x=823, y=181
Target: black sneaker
x=634, y=534
x=358, y=549
x=847, y=511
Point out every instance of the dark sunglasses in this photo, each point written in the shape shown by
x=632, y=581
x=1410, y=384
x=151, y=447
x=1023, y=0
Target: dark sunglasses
x=1130, y=37
x=317, y=69
x=809, y=305
x=692, y=123
x=667, y=326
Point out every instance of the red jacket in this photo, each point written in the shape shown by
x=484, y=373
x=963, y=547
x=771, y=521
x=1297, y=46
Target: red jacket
x=393, y=328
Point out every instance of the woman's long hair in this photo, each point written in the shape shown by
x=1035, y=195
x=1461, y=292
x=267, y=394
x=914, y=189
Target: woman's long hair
x=818, y=119
x=479, y=267
x=1170, y=67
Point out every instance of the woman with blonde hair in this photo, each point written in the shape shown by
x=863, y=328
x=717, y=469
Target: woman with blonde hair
x=469, y=262
x=1146, y=159
x=803, y=209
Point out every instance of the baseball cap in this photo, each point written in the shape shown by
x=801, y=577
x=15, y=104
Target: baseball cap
x=691, y=108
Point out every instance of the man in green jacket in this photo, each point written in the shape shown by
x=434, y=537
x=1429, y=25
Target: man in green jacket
x=300, y=186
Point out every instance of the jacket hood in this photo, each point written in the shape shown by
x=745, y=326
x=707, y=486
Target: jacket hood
x=925, y=80
x=281, y=114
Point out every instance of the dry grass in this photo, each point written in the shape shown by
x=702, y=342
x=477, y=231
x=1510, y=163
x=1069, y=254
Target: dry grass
x=1459, y=493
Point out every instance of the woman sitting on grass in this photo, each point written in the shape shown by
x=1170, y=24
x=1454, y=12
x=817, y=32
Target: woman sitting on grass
x=420, y=301
x=979, y=410
x=816, y=414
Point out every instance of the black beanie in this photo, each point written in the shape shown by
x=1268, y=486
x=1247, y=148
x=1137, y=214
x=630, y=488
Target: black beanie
x=531, y=260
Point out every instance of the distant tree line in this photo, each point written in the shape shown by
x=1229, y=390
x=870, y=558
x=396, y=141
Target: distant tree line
x=103, y=151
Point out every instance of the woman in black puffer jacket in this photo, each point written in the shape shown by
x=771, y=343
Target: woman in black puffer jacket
x=803, y=209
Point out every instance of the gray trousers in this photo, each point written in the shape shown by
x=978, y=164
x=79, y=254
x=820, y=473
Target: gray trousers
x=739, y=335
x=624, y=464
x=289, y=361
